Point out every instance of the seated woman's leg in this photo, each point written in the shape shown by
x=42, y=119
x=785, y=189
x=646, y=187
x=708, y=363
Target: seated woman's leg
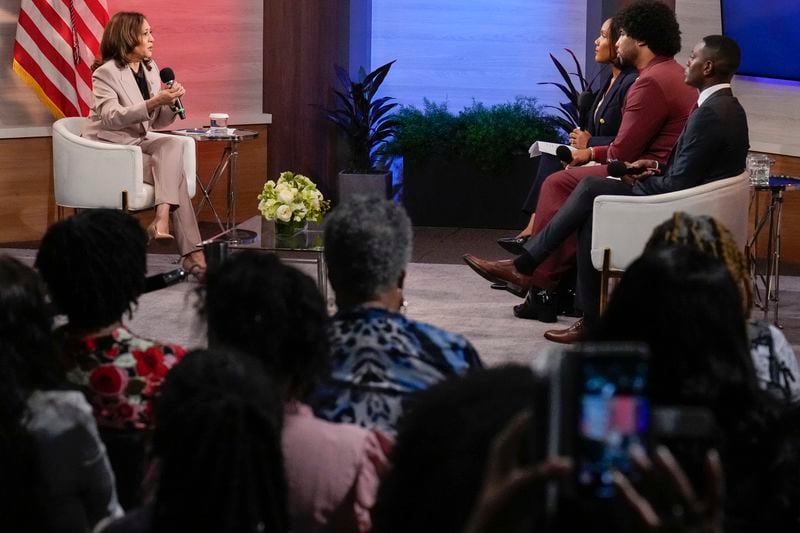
x=163, y=167
x=548, y=164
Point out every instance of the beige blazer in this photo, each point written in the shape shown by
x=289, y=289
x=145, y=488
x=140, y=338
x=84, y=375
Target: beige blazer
x=119, y=114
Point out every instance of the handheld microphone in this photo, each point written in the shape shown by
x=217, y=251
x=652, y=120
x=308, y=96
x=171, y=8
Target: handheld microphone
x=160, y=281
x=168, y=77
x=564, y=154
x=585, y=101
x=617, y=169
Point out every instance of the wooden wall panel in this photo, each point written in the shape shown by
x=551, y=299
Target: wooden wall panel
x=303, y=39
x=26, y=188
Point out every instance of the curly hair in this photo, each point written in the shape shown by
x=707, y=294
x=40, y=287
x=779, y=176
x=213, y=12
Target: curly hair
x=27, y=362
x=653, y=23
x=94, y=265
x=709, y=236
x=367, y=246
x=257, y=305
x=218, y=441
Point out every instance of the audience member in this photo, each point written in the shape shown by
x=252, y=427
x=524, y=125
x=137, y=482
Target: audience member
x=217, y=447
x=774, y=359
x=56, y=475
x=713, y=146
x=379, y=356
x=686, y=305
x=94, y=265
x=443, y=445
x=257, y=305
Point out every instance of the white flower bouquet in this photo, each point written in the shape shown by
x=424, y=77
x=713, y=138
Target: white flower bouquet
x=293, y=199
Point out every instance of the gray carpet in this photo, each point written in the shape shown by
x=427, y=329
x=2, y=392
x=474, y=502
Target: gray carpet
x=450, y=296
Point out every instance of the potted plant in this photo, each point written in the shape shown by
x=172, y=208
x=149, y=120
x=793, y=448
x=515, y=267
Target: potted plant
x=569, y=111
x=367, y=125
x=470, y=169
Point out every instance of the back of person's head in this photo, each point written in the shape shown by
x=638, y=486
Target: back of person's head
x=439, y=459
x=26, y=363
x=94, y=265
x=367, y=246
x=724, y=52
x=256, y=304
x=653, y=23
x=686, y=306
x=707, y=235
x=217, y=436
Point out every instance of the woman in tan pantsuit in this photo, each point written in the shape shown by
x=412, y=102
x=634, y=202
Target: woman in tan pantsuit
x=128, y=102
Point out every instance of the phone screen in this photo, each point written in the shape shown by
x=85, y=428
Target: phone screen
x=614, y=414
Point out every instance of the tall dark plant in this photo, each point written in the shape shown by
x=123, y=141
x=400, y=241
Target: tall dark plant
x=363, y=118
x=569, y=118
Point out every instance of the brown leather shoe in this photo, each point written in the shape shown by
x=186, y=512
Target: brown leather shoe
x=575, y=333
x=497, y=271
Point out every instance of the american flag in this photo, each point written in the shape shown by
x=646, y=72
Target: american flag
x=57, y=42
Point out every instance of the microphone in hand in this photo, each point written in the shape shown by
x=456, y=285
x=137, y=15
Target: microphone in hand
x=564, y=154
x=617, y=169
x=585, y=101
x=168, y=77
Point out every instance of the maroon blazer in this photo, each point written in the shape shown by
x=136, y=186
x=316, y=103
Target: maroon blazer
x=655, y=112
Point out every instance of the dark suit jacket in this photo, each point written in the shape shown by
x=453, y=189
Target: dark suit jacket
x=713, y=146
x=605, y=122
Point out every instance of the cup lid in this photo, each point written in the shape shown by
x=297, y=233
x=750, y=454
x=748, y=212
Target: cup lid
x=218, y=115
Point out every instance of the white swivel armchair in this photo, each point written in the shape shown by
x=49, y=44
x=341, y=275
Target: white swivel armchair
x=90, y=174
x=622, y=225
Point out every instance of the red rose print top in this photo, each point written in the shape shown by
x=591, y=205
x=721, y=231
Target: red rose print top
x=120, y=374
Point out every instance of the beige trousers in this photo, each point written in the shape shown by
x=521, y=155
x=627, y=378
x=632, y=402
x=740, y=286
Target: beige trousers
x=163, y=168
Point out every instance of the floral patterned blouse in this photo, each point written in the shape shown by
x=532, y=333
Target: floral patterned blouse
x=120, y=374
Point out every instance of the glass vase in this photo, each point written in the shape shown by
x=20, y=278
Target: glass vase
x=291, y=234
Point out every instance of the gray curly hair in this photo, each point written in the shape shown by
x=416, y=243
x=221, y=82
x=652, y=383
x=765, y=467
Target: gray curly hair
x=367, y=246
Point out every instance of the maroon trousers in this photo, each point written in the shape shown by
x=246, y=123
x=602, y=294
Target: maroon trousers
x=555, y=191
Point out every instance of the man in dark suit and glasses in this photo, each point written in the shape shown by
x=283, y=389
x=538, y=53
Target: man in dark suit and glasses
x=713, y=146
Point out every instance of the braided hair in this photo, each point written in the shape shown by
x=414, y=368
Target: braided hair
x=711, y=237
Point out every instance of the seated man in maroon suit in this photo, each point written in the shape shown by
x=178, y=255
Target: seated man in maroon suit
x=655, y=111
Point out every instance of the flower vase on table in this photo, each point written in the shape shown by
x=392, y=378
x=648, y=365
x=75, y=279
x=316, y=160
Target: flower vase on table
x=291, y=234
x=291, y=201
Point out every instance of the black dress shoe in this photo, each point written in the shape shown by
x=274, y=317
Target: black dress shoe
x=539, y=305
x=566, y=303
x=513, y=245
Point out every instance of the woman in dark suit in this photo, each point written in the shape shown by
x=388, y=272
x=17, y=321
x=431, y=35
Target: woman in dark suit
x=129, y=102
x=601, y=127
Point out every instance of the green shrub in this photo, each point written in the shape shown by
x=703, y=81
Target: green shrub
x=486, y=136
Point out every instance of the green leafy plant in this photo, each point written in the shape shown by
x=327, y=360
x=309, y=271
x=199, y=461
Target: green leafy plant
x=568, y=119
x=487, y=136
x=363, y=118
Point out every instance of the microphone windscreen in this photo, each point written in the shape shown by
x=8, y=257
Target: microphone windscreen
x=585, y=101
x=564, y=154
x=617, y=169
x=167, y=75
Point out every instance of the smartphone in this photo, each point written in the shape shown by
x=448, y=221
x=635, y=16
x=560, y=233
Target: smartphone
x=599, y=409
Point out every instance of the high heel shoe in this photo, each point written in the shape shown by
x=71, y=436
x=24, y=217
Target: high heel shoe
x=154, y=234
x=193, y=268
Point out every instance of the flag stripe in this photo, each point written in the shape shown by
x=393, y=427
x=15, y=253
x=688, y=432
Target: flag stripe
x=48, y=51
x=43, y=83
x=54, y=49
